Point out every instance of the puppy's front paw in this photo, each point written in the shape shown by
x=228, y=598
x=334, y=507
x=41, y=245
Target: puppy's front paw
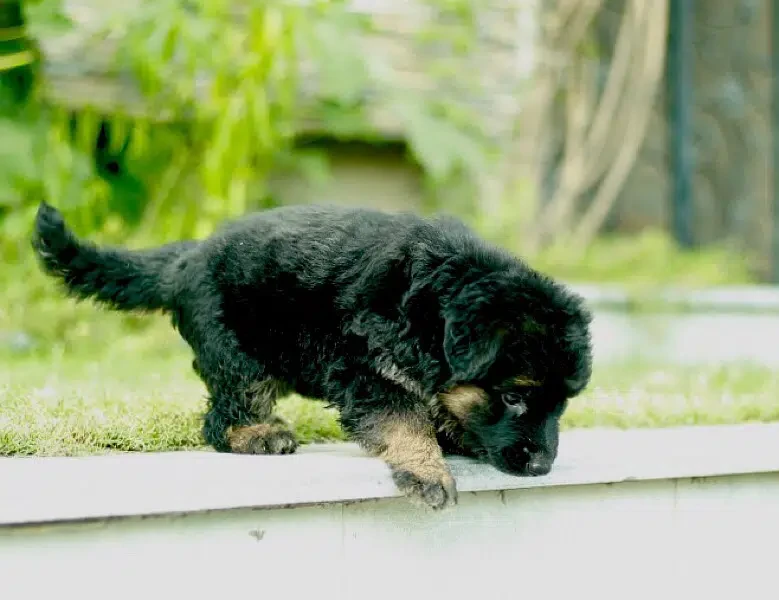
x=263, y=438
x=437, y=492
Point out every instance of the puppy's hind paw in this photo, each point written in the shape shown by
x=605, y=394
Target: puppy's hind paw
x=263, y=438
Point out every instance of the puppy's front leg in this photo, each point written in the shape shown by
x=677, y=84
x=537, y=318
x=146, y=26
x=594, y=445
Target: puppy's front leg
x=406, y=441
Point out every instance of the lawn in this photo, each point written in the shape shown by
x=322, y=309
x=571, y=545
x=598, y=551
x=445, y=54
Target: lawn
x=139, y=394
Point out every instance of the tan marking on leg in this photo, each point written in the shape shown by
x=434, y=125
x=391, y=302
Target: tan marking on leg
x=272, y=437
x=410, y=444
x=462, y=400
x=407, y=443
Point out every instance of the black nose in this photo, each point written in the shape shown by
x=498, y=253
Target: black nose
x=537, y=467
x=524, y=461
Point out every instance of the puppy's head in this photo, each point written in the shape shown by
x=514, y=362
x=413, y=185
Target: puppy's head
x=518, y=348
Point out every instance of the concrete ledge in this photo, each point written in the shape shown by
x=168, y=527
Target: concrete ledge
x=683, y=513
x=61, y=490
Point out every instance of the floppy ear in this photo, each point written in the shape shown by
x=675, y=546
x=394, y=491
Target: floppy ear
x=471, y=347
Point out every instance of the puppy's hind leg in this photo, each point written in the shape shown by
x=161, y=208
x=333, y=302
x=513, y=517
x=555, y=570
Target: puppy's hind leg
x=268, y=433
x=242, y=422
x=241, y=399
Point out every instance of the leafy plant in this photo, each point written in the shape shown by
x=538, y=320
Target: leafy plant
x=227, y=87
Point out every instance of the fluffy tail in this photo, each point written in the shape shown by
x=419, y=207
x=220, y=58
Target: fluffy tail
x=122, y=279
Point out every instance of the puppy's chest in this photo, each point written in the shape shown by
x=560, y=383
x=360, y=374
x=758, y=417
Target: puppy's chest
x=449, y=431
x=391, y=371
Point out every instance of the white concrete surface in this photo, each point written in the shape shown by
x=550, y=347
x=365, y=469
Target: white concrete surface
x=682, y=513
x=45, y=490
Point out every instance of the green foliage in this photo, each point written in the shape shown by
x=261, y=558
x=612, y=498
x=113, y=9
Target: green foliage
x=45, y=18
x=39, y=156
x=230, y=82
x=443, y=151
x=38, y=161
x=234, y=82
x=648, y=259
x=233, y=79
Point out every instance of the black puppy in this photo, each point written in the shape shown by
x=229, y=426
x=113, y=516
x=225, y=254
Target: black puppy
x=427, y=340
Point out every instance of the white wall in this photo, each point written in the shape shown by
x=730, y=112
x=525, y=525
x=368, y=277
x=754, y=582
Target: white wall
x=707, y=538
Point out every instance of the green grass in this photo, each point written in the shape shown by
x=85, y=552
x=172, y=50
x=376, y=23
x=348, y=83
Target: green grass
x=645, y=260
x=139, y=394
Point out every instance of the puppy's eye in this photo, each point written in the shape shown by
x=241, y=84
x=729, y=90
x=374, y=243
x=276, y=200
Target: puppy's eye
x=515, y=404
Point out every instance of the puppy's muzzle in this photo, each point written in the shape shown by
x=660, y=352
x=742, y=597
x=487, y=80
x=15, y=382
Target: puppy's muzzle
x=525, y=461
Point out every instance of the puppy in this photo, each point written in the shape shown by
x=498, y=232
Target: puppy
x=426, y=339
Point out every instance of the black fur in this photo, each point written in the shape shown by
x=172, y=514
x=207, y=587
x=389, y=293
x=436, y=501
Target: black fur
x=328, y=300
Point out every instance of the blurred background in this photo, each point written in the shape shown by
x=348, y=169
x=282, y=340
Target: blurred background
x=627, y=147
